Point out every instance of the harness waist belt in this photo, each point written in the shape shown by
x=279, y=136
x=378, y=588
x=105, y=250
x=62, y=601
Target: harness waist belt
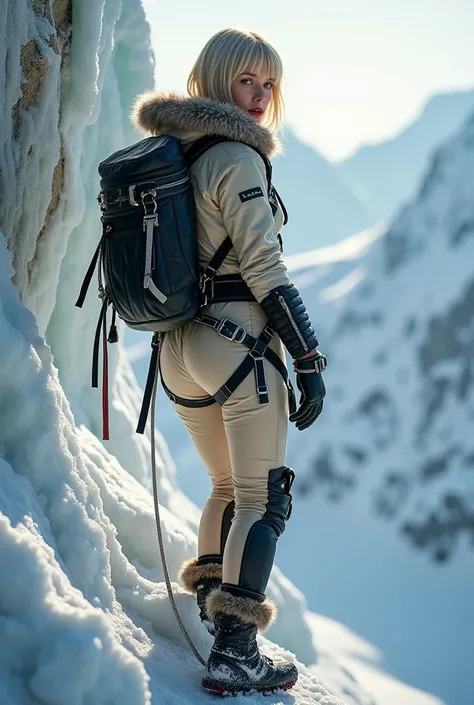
x=229, y=287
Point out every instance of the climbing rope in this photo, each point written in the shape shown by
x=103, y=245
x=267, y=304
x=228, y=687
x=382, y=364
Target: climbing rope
x=158, y=524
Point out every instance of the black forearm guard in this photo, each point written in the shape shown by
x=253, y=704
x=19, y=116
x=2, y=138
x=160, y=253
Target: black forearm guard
x=287, y=315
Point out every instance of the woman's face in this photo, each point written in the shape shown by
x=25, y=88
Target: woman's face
x=253, y=92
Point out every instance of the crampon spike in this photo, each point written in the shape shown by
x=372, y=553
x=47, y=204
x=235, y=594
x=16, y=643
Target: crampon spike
x=226, y=691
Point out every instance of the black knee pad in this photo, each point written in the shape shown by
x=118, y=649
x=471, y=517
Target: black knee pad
x=260, y=546
x=279, y=503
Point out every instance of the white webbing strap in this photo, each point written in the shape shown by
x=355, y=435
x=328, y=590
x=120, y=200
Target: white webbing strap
x=149, y=222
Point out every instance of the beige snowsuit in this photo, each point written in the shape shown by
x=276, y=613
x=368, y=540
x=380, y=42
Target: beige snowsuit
x=242, y=440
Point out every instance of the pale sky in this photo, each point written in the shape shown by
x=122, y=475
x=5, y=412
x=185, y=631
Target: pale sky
x=356, y=70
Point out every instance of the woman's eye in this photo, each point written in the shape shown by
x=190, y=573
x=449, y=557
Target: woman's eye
x=248, y=82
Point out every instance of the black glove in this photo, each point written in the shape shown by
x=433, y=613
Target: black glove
x=310, y=383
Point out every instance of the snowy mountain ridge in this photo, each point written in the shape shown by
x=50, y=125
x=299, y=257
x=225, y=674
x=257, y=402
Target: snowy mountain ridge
x=386, y=174
x=433, y=235
x=323, y=208
x=328, y=201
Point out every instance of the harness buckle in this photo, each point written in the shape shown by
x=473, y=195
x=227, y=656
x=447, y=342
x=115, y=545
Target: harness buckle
x=231, y=331
x=207, y=280
x=268, y=331
x=262, y=390
x=204, y=282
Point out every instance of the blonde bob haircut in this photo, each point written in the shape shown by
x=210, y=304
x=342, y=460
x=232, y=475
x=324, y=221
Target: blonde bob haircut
x=226, y=55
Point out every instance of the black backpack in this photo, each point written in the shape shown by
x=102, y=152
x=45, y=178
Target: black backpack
x=148, y=269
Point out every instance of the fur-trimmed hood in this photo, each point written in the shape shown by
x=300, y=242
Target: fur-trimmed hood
x=169, y=113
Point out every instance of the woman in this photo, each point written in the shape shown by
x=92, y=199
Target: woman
x=235, y=93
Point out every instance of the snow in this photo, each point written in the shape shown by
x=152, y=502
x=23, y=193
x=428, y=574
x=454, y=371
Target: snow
x=55, y=584
x=339, y=644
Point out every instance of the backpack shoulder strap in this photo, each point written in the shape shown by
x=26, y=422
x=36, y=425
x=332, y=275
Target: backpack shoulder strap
x=200, y=147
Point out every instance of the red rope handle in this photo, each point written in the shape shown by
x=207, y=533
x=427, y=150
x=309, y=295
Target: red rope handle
x=105, y=383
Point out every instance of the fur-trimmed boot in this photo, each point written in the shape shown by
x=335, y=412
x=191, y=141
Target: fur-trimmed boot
x=235, y=663
x=199, y=577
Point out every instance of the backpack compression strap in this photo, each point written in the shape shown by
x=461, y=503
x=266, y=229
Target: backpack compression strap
x=101, y=332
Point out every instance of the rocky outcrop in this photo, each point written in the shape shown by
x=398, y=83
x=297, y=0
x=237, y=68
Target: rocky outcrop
x=34, y=76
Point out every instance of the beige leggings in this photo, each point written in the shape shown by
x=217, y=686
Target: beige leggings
x=239, y=442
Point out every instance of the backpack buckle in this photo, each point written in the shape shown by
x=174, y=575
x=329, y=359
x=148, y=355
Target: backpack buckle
x=120, y=198
x=102, y=199
x=150, y=207
x=131, y=195
x=149, y=204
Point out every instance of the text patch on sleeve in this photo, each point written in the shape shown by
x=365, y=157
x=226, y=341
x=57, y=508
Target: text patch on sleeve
x=255, y=192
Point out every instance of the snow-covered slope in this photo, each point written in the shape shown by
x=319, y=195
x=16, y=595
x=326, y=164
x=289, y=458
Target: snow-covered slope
x=85, y=614
x=386, y=174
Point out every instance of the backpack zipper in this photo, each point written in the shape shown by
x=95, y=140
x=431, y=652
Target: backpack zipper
x=293, y=322
x=153, y=190
x=175, y=183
